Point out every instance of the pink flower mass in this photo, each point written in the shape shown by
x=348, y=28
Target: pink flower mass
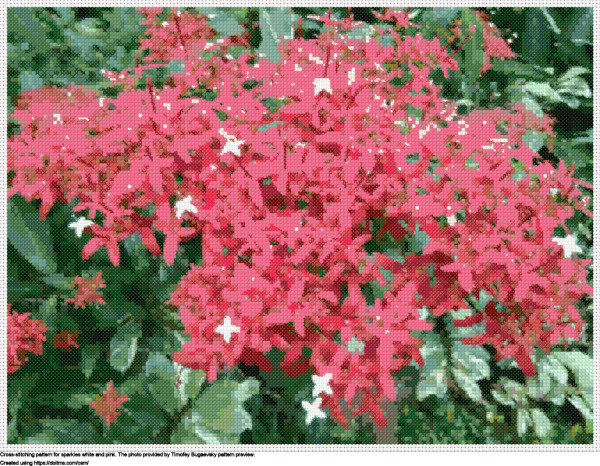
x=282, y=169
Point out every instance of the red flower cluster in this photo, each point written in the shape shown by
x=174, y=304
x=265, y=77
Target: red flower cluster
x=24, y=336
x=283, y=169
x=87, y=290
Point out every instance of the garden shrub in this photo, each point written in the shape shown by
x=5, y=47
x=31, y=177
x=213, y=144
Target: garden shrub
x=331, y=207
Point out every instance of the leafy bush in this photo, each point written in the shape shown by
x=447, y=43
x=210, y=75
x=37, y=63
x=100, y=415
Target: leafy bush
x=317, y=230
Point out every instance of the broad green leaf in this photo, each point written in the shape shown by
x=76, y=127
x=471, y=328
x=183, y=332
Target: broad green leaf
x=515, y=390
x=12, y=433
x=276, y=24
x=433, y=376
x=557, y=370
x=556, y=395
x=532, y=105
x=583, y=368
x=575, y=86
x=523, y=421
x=467, y=382
x=123, y=346
x=218, y=414
x=161, y=379
x=541, y=423
x=189, y=382
x=30, y=80
x=29, y=235
x=542, y=89
x=472, y=359
x=534, y=140
x=473, y=48
x=573, y=72
x=582, y=407
x=220, y=20
x=89, y=357
x=502, y=397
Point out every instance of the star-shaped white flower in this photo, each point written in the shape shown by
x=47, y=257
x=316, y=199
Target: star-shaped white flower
x=322, y=384
x=322, y=84
x=313, y=410
x=232, y=145
x=452, y=220
x=81, y=224
x=226, y=329
x=184, y=205
x=569, y=245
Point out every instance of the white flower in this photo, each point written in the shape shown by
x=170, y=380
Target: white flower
x=322, y=84
x=185, y=205
x=232, y=145
x=452, y=220
x=81, y=224
x=351, y=76
x=569, y=245
x=322, y=384
x=313, y=410
x=226, y=329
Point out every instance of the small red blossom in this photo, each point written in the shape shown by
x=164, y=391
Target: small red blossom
x=64, y=340
x=24, y=336
x=108, y=404
x=87, y=290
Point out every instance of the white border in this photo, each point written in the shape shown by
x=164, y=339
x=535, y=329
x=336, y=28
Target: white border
x=595, y=447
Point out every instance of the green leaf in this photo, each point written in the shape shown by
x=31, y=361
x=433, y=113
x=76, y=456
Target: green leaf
x=467, y=382
x=433, y=376
x=12, y=433
x=575, y=86
x=516, y=391
x=161, y=379
x=582, y=407
x=532, y=105
x=189, y=382
x=534, y=140
x=29, y=235
x=473, y=48
x=218, y=415
x=583, y=368
x=79, y=400
x=523, y=421
x=557, y=371
x=542, y=89
x=541, y=423
x=473, y=359
x=573, y=72
x=89, y=356
x=502, y=397
x=220, y=20
x=276, y=24
x=65, y=431
x=123, y=346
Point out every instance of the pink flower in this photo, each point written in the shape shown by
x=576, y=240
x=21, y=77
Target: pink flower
x=108, y=404
x=24, y=336
x=87, y=291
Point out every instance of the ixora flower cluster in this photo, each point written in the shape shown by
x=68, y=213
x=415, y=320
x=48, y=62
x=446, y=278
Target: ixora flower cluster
x=284, y=169
x=24, y=336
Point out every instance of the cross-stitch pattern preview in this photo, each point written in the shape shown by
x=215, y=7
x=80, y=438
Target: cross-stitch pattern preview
x=300, y=226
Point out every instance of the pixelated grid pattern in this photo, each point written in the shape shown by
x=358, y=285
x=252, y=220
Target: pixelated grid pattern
x=300, y=225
